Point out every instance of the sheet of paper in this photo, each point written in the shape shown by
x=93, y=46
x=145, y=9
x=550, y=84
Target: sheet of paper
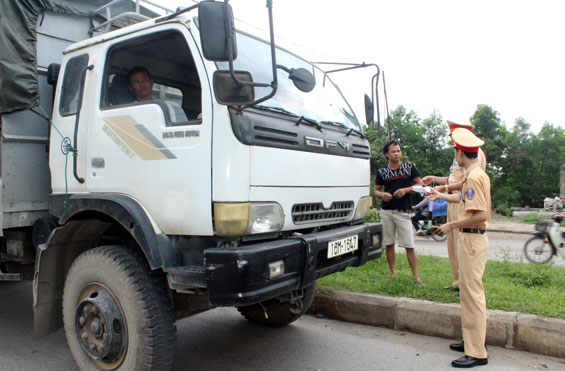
x=422, y=190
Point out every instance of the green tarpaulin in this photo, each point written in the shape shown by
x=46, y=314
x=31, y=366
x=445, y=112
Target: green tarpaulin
x=19, y=89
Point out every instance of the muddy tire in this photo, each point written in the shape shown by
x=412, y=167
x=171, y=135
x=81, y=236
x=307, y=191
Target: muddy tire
x=279, y=313
x=116, y=312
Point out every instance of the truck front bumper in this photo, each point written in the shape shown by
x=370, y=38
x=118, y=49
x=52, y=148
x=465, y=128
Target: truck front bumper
x=240, y=276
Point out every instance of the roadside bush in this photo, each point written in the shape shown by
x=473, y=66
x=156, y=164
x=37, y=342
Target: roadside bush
x=503, y=209
x=505, y=197
x=372, y=216
x=533, y=218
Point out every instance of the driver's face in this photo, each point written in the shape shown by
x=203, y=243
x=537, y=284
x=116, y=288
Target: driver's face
x=141, y=85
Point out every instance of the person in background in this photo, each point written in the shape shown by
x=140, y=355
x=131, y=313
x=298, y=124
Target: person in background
x=453, y=184
x=393, y=185
x=474, y=215
x=421, y=215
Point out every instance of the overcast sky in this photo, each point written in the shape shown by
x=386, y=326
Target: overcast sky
x=448, y=55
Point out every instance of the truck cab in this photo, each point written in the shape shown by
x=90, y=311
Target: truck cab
x=204, y=195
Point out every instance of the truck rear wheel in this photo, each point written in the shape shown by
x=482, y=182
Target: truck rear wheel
x=279, y=312
x=116, y=312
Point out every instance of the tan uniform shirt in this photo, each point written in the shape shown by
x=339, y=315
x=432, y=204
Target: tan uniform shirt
x=482, y=160
x=475, y=194
x=456, y=174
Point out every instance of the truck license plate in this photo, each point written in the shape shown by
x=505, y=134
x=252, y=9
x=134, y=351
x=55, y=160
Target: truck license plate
x=343, y=246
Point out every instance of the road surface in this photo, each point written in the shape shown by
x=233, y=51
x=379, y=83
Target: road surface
x=501, y=246
x=222, y=340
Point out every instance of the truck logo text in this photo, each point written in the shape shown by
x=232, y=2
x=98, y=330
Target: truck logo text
x=320, y=143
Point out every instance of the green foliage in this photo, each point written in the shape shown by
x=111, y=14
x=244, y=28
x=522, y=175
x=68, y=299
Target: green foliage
x=532, y=218
x=519, y=287
x=372, y=216
x=504, y=198
x=523, y=168
x=503, y=209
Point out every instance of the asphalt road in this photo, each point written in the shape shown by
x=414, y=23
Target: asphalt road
x=222, y=340
x=501, y=246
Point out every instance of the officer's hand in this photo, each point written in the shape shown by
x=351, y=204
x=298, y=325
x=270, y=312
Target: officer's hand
x=434, y=196
x=387, y=196
x=444, y=229
x=427, y=180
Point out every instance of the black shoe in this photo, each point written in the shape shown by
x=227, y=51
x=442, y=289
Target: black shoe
x=458, y=347
x=468, y=362
x=456, y=294
x=450, y=287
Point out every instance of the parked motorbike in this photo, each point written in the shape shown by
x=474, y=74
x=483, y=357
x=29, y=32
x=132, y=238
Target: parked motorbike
x=436, y=217
x=548, y=240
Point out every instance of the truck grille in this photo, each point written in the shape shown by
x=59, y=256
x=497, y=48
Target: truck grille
x=307, y=213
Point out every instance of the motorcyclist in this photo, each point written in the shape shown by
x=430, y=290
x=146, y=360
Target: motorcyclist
x=423, y=214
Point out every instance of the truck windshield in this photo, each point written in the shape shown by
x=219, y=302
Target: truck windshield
x=324, y=104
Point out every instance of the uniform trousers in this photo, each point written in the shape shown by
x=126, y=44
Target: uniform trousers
x=472, y=256
x=452, y=239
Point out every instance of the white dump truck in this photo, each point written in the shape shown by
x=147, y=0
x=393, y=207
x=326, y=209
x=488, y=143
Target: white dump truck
x=241, y=180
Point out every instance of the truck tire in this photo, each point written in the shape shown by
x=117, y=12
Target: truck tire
x=116, y=312
x=279, y=312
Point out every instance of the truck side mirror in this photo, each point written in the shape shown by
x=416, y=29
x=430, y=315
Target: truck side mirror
x=369, y=111
x=53, y=73
x=229, y=92
x=302, y=79
x=217, y=31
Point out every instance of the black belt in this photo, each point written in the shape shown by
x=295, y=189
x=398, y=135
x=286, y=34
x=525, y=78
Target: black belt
x=473, y=230
x=401, y=210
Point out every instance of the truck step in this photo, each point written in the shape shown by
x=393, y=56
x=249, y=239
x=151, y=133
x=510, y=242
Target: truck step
x=10, y=276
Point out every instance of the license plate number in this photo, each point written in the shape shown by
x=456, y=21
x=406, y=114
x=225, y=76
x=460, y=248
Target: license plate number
x=343, y=246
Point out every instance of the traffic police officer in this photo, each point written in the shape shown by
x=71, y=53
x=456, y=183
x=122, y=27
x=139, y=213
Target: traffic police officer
x=453, y=184
x=474, y=214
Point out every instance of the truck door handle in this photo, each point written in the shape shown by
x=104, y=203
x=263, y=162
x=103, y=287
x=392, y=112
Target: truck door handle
x=98, y=162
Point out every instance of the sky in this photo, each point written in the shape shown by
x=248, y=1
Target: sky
x=443, y=55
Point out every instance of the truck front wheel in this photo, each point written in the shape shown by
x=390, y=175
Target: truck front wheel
x=117, y=313
x=280, y=311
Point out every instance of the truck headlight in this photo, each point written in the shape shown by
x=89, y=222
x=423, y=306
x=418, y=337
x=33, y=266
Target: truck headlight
x=238, y=219
x=362, y=207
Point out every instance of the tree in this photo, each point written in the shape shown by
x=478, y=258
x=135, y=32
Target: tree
x=547, y=155
x=489, y=128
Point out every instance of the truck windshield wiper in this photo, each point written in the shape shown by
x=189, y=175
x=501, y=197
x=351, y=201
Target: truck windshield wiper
x=275, y=109
x=300, y=120
x=349, y=129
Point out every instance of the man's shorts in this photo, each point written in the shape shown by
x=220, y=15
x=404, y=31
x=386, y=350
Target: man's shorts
x=397, y=227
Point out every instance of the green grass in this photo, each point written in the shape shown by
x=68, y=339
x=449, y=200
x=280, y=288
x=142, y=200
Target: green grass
x=509, y=286
x=532, y=218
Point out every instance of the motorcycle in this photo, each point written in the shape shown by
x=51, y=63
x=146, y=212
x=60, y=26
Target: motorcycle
x=436, y=217
x=548, y=240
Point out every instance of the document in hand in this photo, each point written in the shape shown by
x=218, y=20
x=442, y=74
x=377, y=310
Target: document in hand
x=424, y=191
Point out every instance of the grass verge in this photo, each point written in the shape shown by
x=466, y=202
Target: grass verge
x=516, y=287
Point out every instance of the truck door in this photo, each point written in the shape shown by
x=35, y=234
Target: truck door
x=151, y=138
x=69, y=135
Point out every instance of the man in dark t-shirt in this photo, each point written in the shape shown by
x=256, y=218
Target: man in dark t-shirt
x=393, y=184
